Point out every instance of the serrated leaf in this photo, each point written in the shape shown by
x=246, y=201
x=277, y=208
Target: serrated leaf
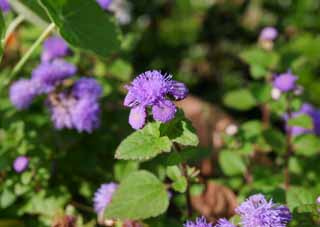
x=180, y=130
x=180, y=184
x=141, y=195
x=298, y=196
x=144, y=144
x=307, y=144
x=83, y=24
x=241, y=99
x=231, y=163
x=303, y=121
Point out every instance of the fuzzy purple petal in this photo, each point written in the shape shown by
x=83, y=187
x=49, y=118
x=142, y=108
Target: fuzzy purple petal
x=104, y=4
x=200, y=222
x=268, y=33
x=103, y=196
x=87, y=87
x=137, y=117
x=222, y=222
x=22, y=93
x=285, y=82
x=4, y=6
x=164, y=111
x=54, y=47
x=20, y=164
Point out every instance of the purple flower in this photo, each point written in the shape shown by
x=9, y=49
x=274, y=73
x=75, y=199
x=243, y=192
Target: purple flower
x=151, y=89
x=87, y=87
x=309, y=110
x=54, y=47
x=104, y=4
x=285, y=82
x=268, y=34
x=85, y=115
x=4, y=5
x=49, y=74
x=20, y=164
x=22, y=93
x=200, y=222
x=222, y=222
x=103, y=196
x=60, y=107
x=256, y=211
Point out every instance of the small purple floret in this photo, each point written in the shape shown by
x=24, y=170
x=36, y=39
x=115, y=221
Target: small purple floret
x=222, y=222
x=268, y=34
x=285, y=82
x=257, y=211
x=4, y=6
x=153, y=89
x=20, y=164
x=22, y=93
x=103, y=196
x=54, y=47
x=87, y=87
x=200, y=222
x=104, y=4
x=50, y=74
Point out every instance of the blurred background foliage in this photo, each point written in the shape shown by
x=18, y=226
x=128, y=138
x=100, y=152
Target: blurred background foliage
x=200, y=43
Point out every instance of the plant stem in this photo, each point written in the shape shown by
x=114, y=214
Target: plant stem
x=34, y=46
x=184, y=169
x=265, y=115
x=12, y=26
x=289, y=151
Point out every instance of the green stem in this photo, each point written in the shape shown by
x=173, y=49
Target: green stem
x=34, y=46
x=12, y=26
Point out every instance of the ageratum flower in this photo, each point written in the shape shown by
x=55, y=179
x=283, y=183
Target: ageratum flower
x=256, y=211
x=268, y=34
x=103, y=196
x=20, y=164
x=309, y=110
x=22, y=93
x=49, y=74
x=87, y=87
x=153, y=89
x=4, y=6
x=104, y=4
x=285, y=82
x=222, y=222
x=54, y=47
x=200, y=222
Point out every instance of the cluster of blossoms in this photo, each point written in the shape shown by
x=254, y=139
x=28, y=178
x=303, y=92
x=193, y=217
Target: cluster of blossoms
x=256, y=211
x=287, y=82
x=4, y=6
x=21, y=163
x=74, y=107
x=267, y=37
x=120, y=8
x=152, y=89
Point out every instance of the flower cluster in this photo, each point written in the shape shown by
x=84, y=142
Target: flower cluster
x=4, y=6
x=74, y=107
x=153, y=89
x=120, y=8
x=256, y=211
x=20, y=164
x=309, y=110
x=285, y=82
x=200, y=222
x=268, y=34
x=103, y=196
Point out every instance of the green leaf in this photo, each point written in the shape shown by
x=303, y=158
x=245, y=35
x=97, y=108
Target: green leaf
x=123, y=168
x=84, y=25
x=141, y=195
x=180, y=184
x=298, y=196
x=261, y=92
x=303, y=121
x=306, y=145
x=258, y=71
x=173, y=172
x=275, y=139
x=144, y=144
x=241, y=99
x=7, y=198
x=180, y=130
x=259, y=58
x=232, y=163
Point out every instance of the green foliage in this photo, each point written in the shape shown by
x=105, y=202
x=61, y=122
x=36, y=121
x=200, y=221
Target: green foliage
x=306, y=145
x=239, y=99
x=231, y=163
x=141, y=195
x=303, y=121
x=84, y=25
